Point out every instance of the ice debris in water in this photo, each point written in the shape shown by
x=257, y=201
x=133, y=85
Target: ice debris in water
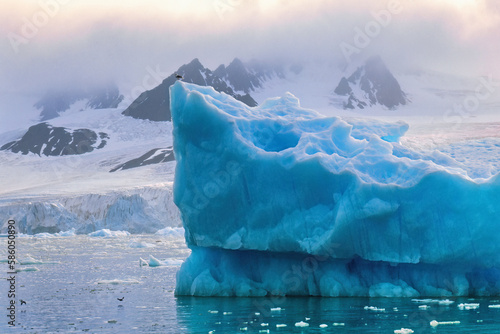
x=435, y=323
x=403, y=331
x=444, y=302
x=154, y=262
x=171, y=232
x=468, y=306
x=374, y=308
x=263, y=189
x=107, y=233
x=301, y=324
x=140, y=244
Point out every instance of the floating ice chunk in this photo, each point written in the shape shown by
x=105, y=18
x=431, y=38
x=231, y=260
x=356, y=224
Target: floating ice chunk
x=264, y=331
x=140, y=244
x=275, y=309
x=301, y=324
x=154, y=262
x=280, y=325
x=69, y=233
x=444, y=302
x=424, y=307
x=177, y=232
x=338, y=324
x=435, y=323
x=227, y=313
x=374, y=308
x=119, y=281
x=213, y=311
x=142, y=262
x=107, y=233
x=264, y=324
x=44, y=235
x=243, y=329
x=403, y=331
x=468, y=306
x=323, y=326
x=494, y=306
x=27, y=269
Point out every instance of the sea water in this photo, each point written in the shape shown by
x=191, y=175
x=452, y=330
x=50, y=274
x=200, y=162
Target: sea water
x=73, y=284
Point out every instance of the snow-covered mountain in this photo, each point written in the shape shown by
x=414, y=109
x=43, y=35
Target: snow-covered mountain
x=121, y=171
x=236, y=80
x=371, y=84
x=54, y=102
x=56, y=192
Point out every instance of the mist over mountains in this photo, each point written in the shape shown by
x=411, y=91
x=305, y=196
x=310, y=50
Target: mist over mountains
x=371, y=84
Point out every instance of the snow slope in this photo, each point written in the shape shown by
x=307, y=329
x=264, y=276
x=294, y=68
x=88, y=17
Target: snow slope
x=51, y=194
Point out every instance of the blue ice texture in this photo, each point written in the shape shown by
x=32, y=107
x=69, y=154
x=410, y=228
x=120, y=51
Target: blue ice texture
x=280, y=200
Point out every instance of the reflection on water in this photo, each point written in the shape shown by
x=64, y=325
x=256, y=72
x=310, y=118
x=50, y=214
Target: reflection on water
x=331, y=315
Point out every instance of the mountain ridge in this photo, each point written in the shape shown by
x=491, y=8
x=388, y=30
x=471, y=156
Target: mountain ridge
x=371, y=84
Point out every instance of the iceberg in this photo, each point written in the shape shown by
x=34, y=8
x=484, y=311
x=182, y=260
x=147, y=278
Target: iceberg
x=280, y=200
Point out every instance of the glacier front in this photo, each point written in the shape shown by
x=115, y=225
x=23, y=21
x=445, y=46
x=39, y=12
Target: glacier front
x=279, y=200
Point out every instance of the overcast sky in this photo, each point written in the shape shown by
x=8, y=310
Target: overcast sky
x=56, y=43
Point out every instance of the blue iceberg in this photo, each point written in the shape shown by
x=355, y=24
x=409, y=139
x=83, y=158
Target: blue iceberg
x=279, y=200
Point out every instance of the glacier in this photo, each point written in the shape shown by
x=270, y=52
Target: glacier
x=142, y=209
x=280, y=200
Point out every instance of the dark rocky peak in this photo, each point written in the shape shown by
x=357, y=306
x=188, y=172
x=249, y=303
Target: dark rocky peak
x=154, y=104
x=45, y=139
x=375, y=85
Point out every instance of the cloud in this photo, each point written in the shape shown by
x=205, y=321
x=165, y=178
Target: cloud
x=80, y=42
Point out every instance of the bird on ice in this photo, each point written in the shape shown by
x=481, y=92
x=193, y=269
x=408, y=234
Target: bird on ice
x=178, y=76
x=22, y=301
x=121, y=299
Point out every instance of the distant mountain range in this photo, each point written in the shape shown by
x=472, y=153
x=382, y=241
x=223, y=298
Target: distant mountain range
x=237, y=80
x=371, y=84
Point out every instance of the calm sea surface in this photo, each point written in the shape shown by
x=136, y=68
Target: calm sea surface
x=76, y=289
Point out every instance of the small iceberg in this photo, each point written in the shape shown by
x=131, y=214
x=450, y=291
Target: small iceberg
x=403, y=331
x=107, y=233
x=177, y=232
x=154, y=262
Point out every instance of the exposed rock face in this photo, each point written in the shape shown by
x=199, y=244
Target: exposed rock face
x=44, y=139
x=371, y=84
x=155, y=156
